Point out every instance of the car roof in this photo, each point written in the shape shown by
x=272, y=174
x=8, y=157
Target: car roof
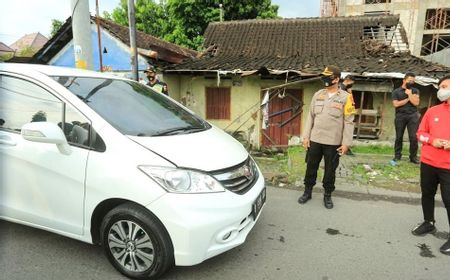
x=54, y=70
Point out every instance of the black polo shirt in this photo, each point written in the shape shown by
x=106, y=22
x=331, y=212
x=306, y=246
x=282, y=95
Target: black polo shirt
x=399, y=94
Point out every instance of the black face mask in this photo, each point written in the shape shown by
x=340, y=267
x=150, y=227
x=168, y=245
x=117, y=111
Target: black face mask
x=348, y=86
x=327, y=80
x=409, y=85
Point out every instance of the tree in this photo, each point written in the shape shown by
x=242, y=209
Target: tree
x=5, y=57
x=56, y=25
x=184, y=21
x=151, y=17
x=191, y=17
x=26, y=52
x=39, y=116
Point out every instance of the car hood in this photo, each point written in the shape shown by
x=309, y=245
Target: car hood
x=208, y=150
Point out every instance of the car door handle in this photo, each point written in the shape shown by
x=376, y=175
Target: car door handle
x=7, y=141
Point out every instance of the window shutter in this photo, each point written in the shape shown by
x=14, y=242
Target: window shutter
x=218, y=103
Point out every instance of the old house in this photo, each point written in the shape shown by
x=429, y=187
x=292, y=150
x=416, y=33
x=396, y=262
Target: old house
x=244, y=59
x=28, y=44
x=5, y=50
x=115, y=48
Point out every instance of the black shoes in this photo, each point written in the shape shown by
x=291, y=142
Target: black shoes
x=445, y=249
x=424, y=228
x=428, y=227
x=414, y=160
x=327, y=202
x=304, y=198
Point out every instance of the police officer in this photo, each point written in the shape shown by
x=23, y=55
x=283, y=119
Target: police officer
x=328, y=133
x=405, y=100
x=154, y=82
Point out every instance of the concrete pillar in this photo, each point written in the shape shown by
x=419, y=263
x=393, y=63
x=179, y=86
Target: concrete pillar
x=81, y=29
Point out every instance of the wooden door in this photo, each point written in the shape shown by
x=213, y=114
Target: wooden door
x=284, y=118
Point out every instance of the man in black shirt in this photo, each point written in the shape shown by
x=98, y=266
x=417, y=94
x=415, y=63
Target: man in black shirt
x=405, y=100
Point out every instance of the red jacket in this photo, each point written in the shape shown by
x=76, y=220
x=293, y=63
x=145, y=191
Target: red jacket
x=435, y=124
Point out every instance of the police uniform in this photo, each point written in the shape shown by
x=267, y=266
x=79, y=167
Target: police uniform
x=329, y=125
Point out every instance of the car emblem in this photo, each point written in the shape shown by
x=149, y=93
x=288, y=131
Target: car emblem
x=248, y=172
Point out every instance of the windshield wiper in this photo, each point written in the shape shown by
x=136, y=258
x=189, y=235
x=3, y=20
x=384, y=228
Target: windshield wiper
x=176, y=130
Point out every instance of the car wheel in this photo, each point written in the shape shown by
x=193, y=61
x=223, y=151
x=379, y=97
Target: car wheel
x=136, y=242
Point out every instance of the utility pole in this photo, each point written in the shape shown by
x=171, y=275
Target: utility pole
x=133, y=48
x=99, y=35
x=81, y=29
x=221, y=12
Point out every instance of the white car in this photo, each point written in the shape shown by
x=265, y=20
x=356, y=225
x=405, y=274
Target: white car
x=108, y=161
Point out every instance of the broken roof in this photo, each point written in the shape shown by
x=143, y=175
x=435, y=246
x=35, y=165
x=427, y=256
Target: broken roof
x=166, y=51
x=307, y=45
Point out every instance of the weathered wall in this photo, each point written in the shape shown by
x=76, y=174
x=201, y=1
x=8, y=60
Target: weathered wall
x=190, y=91
x=245, y=100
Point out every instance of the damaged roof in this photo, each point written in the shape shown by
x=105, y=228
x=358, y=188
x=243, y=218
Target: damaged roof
x=306, y=45
x=145, y=42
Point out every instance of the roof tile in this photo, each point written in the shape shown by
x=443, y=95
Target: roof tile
x=305, y=44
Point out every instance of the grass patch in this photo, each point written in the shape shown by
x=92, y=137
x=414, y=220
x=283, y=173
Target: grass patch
x=289, y=168
x=403, y=177
x=373, y=149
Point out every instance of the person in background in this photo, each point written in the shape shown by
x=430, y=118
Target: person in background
x=434, y=134
x=405, y=99
x=328, y=133
x=347, y=84
x=154, y=82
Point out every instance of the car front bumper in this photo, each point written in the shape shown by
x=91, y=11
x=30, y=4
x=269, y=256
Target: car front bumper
x=202, y=226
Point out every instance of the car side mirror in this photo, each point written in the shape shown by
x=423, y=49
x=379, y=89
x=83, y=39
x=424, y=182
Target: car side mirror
x=46, y=132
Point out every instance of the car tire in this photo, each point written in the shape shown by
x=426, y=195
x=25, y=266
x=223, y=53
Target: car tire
x=136, y=242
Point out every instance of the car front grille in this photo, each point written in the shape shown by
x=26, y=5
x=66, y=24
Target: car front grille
x=238, y=179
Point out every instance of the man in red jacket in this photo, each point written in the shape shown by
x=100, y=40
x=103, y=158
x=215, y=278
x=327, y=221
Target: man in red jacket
x=434, y=134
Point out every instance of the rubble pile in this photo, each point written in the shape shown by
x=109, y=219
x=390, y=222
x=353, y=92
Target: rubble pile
x=376, y=48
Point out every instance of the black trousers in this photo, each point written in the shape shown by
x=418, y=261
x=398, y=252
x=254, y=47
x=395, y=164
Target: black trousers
x=430, y=177
x=314, y=155
x=410, y=122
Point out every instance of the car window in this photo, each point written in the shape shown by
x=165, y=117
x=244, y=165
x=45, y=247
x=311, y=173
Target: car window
x=132, y=108
x=79, y=132
x=22, y=102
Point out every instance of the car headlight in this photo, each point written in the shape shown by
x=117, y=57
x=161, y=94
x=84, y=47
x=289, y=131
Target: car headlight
x=182, y=180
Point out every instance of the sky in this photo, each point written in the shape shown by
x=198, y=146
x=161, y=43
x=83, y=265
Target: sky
x=21, y=17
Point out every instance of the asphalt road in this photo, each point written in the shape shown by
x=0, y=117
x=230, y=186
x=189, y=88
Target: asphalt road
x=358, y=239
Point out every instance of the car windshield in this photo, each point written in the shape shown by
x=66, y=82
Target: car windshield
x=133, y=108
